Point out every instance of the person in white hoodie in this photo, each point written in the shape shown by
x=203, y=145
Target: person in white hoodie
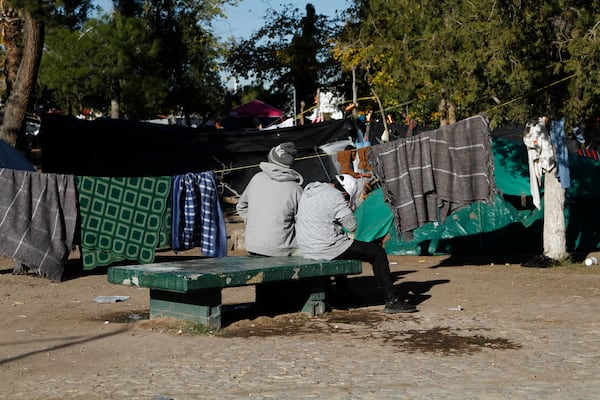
x=324, y=219
x=269, y=203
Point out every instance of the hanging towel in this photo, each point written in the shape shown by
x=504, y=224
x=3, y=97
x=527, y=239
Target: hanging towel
x=363, y=159
x=197, y=216
x=122, y=218
x=38, y=214
x=346, y=158
x=540, y=155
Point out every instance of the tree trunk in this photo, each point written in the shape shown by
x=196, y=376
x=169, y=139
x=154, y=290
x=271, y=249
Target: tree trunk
x=21, y=93
x=11, y=32
x=554, y=233
x=385, y=136
x=447, y=111
x=115, y=109
x=115, y=101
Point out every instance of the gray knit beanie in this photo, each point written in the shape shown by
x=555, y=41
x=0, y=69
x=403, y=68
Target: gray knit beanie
x=283, y=154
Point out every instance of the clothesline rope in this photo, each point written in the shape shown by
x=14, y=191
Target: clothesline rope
x=365, y=98
x=241, y=167
x=535, y=91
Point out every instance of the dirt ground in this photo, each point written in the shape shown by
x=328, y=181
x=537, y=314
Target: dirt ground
x=486, y=328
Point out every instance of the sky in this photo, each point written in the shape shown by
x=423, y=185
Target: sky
x=248, y=15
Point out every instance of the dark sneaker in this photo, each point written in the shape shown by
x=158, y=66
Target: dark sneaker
x=398, y=306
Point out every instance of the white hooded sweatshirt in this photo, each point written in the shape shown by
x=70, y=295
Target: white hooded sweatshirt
x=322, y=213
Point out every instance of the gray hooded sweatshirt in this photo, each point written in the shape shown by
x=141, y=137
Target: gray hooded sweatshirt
x=322, y=212
x=268, y=206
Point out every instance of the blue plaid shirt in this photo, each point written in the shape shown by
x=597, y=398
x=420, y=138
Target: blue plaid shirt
x=197, y=215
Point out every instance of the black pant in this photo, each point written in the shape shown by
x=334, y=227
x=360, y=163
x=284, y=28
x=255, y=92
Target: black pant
x=375, y=255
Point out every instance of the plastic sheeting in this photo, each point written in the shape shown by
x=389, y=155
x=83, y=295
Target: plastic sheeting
x=126, y=148
x=507, y=223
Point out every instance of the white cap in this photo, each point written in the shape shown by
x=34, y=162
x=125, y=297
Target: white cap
x=349, y=184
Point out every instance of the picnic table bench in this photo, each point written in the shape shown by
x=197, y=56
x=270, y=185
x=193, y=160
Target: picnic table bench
x=191, y=289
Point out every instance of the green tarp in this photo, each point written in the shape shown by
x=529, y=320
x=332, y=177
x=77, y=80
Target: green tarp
x=507, y=223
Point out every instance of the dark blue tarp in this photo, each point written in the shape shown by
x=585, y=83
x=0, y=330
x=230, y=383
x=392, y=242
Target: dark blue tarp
x=13, y=159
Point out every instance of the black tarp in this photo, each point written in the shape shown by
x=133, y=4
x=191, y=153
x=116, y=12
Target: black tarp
x=106, y=147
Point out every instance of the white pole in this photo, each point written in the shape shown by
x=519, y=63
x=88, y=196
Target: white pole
x=295, y=109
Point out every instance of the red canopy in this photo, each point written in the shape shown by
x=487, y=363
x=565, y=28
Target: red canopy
x=255, y=108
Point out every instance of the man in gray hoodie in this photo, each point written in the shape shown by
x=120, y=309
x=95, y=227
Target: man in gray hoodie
x=324, y=218
x=269, y=203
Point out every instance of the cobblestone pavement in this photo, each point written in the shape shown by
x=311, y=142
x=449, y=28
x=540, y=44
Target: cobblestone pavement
x=482, y=332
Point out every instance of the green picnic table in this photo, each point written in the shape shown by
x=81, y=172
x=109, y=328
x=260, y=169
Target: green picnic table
x=191, y=289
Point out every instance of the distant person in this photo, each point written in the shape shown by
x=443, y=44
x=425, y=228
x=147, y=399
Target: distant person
x=324, y=218
x=392, y=126
x=256, y=123
x=269, y=203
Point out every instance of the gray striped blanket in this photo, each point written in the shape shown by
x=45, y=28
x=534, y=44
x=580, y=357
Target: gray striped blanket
x=38, y=214
x=428, y=176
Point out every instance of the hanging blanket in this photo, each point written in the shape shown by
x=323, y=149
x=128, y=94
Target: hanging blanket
x=197, y=216
x=122, y=218
x=38, y=214
x=405, y=168
x=428, y=176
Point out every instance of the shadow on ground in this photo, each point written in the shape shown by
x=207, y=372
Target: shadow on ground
x=354, y=324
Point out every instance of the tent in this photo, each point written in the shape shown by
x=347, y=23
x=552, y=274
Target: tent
x=256, y=108
x=252, y=116
x=13, y=159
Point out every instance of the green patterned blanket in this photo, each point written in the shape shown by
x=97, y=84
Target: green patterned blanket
x=123, y=218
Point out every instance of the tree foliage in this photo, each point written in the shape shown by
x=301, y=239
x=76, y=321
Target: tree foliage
x=146, y=58
x=68, y=13
x=188, y=53
x=290, y=51
x=510, y=58
x=80, y=68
